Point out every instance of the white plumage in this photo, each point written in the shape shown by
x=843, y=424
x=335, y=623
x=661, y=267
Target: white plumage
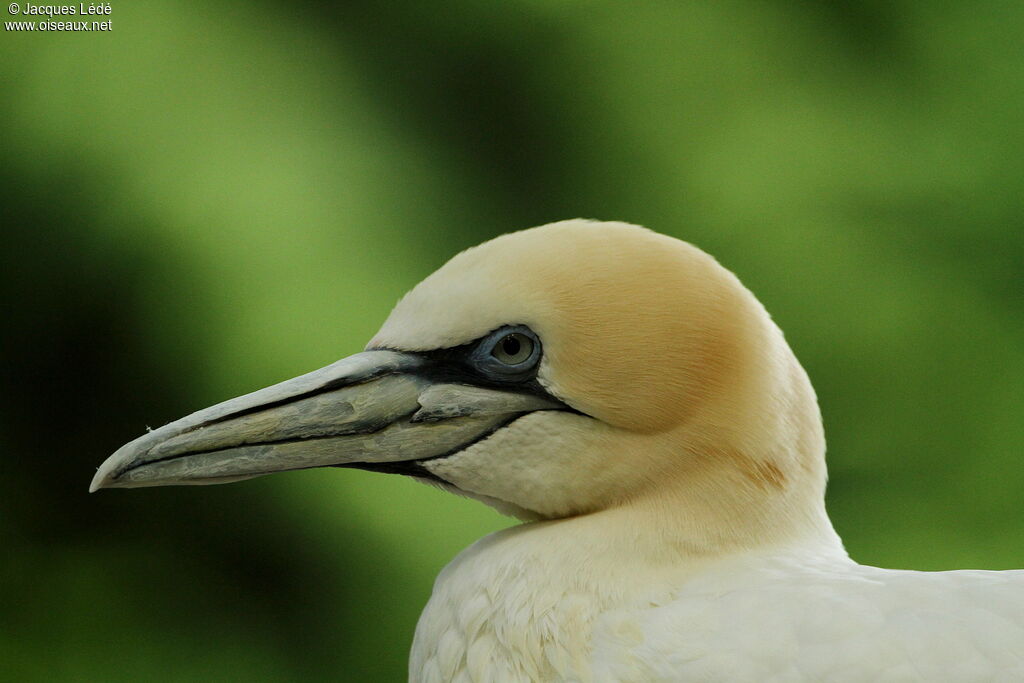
x=535, y=605
x=628, y=397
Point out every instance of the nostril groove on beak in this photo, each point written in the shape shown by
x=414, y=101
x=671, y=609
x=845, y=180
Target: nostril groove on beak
x=330, y=386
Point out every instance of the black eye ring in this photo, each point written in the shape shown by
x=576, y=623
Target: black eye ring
x=510, y=352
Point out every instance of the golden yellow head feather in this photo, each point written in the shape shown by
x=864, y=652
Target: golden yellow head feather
x=684, y=372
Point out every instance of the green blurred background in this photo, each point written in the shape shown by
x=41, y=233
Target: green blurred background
x=214, y=197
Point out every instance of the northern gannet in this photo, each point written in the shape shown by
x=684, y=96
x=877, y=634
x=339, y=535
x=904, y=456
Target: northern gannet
x=627, y=397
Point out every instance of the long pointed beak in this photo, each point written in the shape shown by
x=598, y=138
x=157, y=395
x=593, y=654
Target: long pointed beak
x=373, y=410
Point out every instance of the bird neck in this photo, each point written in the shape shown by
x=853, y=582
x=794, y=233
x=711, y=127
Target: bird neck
x=689, y=522
x=748, y=472
x=722, y=515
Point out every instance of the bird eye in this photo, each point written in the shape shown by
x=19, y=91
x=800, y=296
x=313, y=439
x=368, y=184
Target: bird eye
x=510, y=353
x=513, y=349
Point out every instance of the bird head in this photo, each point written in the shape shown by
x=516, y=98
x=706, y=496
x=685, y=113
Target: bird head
x=558, y=371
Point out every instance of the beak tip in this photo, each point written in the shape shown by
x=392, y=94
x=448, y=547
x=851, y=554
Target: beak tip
x=103, y=477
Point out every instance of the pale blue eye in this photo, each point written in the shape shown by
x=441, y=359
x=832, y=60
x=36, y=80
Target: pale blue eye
x=508, y=353
x=513, y=349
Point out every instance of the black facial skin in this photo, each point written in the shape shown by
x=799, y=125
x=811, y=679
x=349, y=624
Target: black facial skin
x=474, y=364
